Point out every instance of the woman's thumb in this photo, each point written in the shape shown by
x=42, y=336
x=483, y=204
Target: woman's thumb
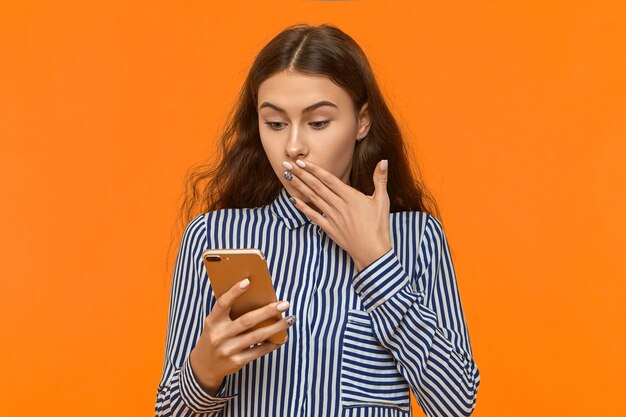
x=380, y=177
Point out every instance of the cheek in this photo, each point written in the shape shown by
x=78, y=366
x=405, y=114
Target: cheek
x=336, y=154
x=274, y=156
x=270, y=149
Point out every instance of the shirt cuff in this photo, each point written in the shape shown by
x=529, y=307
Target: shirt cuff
x=195, y=397
x=380, y=280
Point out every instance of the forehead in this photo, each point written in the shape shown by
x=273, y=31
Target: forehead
x=296, y=90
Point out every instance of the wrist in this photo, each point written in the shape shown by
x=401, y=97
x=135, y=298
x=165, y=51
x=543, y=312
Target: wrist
x=208, y=382
x=364, y=261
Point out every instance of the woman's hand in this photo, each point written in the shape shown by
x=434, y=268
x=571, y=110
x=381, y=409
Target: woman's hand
x=225, y=345
x=356, y=222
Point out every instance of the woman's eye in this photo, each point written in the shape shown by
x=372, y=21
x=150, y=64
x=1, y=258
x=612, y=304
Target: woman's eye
x=273, y=125
x=320, y=125
x=316, y=125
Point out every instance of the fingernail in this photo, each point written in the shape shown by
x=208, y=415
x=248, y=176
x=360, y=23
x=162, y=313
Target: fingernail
x=288, y=175
x=301, y=164
x=383, y=165
x=292, y=200
x=291, y=320
x=282, y=306
x=244, y=284
x=287, y=165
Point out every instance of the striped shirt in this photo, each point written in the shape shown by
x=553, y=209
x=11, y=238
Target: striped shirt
x=363, y=339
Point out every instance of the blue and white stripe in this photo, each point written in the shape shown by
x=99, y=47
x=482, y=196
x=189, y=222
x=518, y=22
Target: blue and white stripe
x=363, y=339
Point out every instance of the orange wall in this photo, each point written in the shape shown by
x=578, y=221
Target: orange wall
x=517, y=110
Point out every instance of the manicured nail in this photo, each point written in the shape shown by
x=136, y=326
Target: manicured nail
x=301, y=164
x=291, y=320
x=292, y=200
x=244, y=284
x=282, y=306
x=287, y=165
x=288, y=175
x=383, y=165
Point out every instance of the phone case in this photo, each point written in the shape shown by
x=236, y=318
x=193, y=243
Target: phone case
x=226, y=267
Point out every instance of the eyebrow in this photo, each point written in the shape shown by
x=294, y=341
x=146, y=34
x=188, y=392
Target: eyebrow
x=305, y=110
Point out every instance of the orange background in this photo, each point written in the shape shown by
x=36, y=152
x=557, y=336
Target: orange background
x=517, y=112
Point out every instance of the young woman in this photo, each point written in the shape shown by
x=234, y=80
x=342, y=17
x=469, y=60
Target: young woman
x=313, y=171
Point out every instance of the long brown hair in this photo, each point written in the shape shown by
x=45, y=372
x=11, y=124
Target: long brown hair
x=315, y=50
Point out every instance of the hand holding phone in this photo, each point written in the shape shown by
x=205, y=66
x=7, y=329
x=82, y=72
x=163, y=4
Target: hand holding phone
x=225, y=267
x=232, y=337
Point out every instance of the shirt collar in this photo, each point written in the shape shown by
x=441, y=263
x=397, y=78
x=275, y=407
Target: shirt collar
x=287, y=212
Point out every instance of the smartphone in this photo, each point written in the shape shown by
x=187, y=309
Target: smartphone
x=226, y=267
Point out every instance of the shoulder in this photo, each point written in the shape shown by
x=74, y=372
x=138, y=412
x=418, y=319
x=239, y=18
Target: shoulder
x=195, y=231
x=225, y=216
x=201, y=229
x=434, y=235
x=228, y=222
x=433, y=225
x=421, y=230
x=418, y=222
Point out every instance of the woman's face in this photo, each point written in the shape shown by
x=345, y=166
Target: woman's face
x=309, y=118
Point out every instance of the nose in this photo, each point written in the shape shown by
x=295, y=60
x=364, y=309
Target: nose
x=296, y=146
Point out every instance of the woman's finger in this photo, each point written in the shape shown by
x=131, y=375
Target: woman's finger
x=226, y=301
x=319, y=218
x=314, y=189
x=380, y=178
x=330, y=180
x=248, y=355
x=260, y=335
x=313, y=198
x=254, y=317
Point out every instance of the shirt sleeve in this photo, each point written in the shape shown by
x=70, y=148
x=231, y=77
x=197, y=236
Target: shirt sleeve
x=425, y=331
x=179, y=393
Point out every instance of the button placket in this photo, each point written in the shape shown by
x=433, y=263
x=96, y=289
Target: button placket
x=310, y=349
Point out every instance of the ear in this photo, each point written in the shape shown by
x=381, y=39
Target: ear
x=364, y=121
